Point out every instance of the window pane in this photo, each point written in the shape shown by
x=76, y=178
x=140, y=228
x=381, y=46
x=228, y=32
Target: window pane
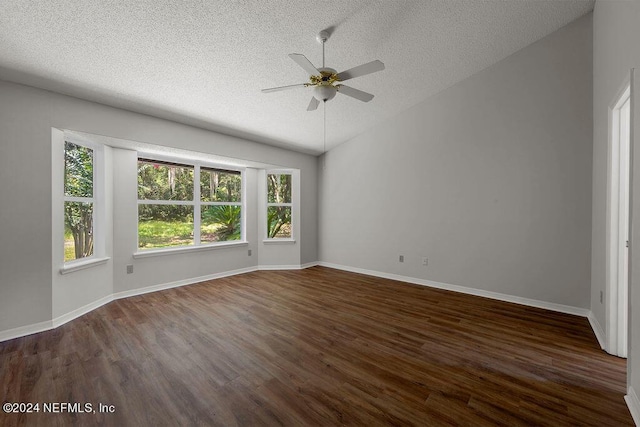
x=220, y=223
x=220, y=186
x=279, y=188
x=160, y=181
x=78, y=230
x=279, y=222
x=163, y=226
x=78, y=170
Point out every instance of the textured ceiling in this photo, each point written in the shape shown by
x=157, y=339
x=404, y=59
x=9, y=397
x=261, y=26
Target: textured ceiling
x=204, y=62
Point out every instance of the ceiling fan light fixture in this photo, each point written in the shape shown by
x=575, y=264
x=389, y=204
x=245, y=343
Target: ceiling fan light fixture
x=324, y=92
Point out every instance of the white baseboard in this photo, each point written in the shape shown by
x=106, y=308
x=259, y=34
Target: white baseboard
x=67, y=317
x=597, y=329
x=462, y=289
x=279, y=267
x=633, y=404
x=185, y=282
x=287, y=267
x=309, y=265
x=23, y=331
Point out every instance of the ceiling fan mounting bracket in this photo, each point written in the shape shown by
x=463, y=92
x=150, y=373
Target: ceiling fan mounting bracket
x=322, y=36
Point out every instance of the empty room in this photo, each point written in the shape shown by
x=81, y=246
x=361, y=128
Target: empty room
x=326, y=213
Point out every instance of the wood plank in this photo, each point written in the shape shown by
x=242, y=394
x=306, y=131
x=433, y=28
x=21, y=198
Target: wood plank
x=316, y=347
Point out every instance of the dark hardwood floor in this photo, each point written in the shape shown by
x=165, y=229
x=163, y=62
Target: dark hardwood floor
x=316, y=347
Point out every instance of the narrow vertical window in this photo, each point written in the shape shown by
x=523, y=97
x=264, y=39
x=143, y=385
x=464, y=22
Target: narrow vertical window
x=279, y=206
x=79, y=201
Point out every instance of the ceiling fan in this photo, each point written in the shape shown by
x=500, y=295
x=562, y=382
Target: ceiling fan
x=326, y=81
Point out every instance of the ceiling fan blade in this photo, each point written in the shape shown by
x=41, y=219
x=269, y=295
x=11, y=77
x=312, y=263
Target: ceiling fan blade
x=277, y=89
x=302, y=61
x=354, y=93
x=361, y=70
x=313, y=104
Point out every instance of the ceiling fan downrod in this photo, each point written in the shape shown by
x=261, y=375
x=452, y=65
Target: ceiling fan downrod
x=322, y=38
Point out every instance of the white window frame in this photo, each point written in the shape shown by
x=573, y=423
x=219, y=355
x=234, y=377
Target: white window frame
x=241, y=203
x=197, y=205
x=294, y=183
x=99, y=219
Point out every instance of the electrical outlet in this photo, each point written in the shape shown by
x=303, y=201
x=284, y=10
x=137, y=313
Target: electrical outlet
x=130, y=269
x=601, y=297
x=425, y=261
x=249, y=251
x=401, y=258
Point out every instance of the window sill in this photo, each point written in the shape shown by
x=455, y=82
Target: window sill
x=279, y=241
x=173, y=251
x=81, y=265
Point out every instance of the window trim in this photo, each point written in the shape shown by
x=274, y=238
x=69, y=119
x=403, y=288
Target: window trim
x=197, y=205
x=82, y=263
x=279, y=240
x=188, y=249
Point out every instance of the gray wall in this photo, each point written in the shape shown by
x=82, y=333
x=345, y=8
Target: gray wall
x=616, y=32
x=25, y=206
x=26, y=118
x=490, y=179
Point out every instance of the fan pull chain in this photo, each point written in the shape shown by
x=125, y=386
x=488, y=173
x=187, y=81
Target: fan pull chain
x=324, y=133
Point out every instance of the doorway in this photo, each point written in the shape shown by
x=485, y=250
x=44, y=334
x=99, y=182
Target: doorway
x=618, y=232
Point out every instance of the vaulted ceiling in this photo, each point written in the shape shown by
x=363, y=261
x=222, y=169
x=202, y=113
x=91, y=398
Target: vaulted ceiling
x=205, y=62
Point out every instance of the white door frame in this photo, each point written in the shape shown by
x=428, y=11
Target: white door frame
x=618, y=217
